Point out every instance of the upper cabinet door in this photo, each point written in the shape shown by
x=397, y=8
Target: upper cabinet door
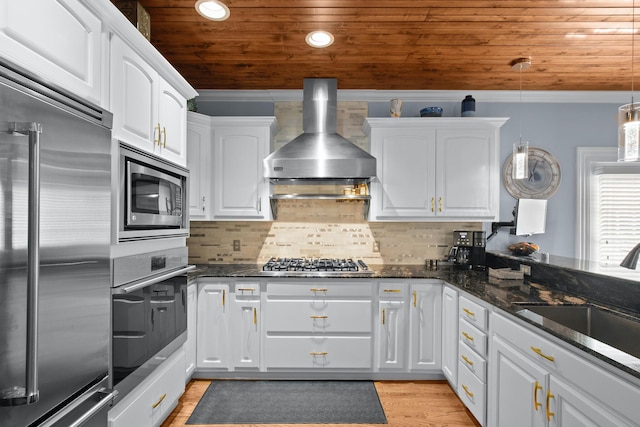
x=133, y=97
x=467, y=183
x=60, y=41
x=173, y=122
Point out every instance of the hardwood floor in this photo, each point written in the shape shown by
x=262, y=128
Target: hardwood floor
x=405, y=403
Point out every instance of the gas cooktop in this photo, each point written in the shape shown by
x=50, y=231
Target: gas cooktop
x=315, y=267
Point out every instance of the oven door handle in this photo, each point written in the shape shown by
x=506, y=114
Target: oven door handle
x=152, y=280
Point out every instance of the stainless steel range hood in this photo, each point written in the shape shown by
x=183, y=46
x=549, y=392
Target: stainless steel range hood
x=319, y=153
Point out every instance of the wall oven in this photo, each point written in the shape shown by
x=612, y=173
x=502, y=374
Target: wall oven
x=149, y=314
x=152, y=197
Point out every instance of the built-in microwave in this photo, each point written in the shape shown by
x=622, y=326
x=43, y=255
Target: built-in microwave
x=152, y=196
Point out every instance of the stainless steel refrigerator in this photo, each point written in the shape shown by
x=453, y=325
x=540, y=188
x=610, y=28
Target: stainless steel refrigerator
x=55, y=210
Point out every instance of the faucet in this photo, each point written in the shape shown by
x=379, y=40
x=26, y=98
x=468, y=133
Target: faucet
x=631, y=260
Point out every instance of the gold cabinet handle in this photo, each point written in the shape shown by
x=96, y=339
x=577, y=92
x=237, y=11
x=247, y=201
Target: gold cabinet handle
x=549, y=413
x=164, y=140
x=467, y=336
x=155, y=405
x=383, y=316
x=319, y=317
x=156, y=131
x=440, y=204
x=255, y=316
x=415, y=298
x=392, y=290
x=539, y=352
x=203, y=204
x=224, y=295
x=319, y=289
x=247, y=289
x=466, y=390
x=433, y=204
x=536, y=404
x=318, y=353
x=469, y=362
x=469, y=312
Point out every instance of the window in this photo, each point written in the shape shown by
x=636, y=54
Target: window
x=610, y=210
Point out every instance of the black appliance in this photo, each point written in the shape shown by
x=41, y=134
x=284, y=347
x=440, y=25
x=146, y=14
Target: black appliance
x=460, y=253
x=478, y=251
x=149, y=314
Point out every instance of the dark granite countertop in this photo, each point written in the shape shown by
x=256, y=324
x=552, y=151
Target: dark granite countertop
x=502, y=294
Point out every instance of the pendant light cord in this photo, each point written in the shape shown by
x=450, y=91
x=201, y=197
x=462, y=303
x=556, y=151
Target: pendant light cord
x=633, y=50
x=520, y=106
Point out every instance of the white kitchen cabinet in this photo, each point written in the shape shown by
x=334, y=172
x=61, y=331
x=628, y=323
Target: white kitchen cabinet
x=213, y=326
x=430, y=169
x=149, y=404
x=392, y=325
x=59, y=41
x=425, y=326
x=147, y=111
x=240, y=190
x=190, y=346
x=246, y=326
x=536, y=382
x=450, y=335
x=318, y=325
x=199, y=137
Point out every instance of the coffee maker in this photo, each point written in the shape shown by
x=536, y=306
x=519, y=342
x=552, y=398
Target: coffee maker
x=478, y=251
x=460, y=253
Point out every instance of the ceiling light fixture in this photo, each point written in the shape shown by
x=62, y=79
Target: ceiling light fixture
x=319, y=39
x=628, y=115
x=213, y=10
x=521, y=148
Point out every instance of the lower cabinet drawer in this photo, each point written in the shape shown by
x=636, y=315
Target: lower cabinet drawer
x=472, y=392
x=318, y=316
x=473, y=337
x=154, y=399
x=318, y=352
x=472, y=361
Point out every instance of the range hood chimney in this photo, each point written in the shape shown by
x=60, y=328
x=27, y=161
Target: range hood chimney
x=319, y=153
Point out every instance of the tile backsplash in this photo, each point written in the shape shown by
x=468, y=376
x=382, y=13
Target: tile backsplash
x=321, y=232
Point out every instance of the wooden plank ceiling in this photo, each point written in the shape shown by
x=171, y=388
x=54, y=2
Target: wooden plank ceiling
x=402, y=44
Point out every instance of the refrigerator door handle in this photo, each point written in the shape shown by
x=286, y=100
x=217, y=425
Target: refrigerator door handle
x=32, y=130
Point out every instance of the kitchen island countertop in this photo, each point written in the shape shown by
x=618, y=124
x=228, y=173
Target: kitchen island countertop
x=501, y=294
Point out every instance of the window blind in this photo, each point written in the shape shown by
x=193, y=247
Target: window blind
x=617, y=208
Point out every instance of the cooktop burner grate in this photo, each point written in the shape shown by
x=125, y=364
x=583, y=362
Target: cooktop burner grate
x=320, y=266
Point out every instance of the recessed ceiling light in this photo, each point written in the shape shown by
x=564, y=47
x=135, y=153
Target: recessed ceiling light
x=319, y=39
x=213, y=10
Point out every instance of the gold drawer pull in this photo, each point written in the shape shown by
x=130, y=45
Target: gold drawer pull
x=224, y=293
x=415, y=298
x=255, y=316
x=433, y=204
x=469, y=312
x=383, y=316
x=155, y=405
x=246, y=289
x=392, y=290
x=318, y=353
x=440, y=204
x=467, y=336
x=539, y=352
x=319, y=317
x=466, y=390
x=319, y=289
x=536, y=387
x=549, y=413
x=469, y=362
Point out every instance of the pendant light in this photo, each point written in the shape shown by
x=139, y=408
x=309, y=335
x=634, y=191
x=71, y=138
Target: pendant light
x=521, y=148
x=629, y=114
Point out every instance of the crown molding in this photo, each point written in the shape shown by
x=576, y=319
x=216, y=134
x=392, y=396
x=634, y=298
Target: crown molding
x=272, y=95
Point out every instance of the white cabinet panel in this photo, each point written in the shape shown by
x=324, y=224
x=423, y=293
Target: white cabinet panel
x=190, y=345
x=313, y=316
x=213, y=326
x=472, y=392
x=425, y=326
x=391, y=335
x=199, y=136
x=246, y=333
x=450, y=335
x=318, y=352
x=60, y=41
